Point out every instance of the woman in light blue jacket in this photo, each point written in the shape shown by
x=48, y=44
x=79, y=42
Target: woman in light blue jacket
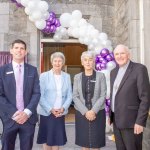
x=56, y=97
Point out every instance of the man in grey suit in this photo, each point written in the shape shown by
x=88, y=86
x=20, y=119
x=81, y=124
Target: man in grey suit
x=130, y=100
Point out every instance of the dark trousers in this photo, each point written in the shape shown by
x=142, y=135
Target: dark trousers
x=26, y=135
x=126, y=139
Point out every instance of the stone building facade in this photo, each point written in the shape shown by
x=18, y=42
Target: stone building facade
x=125, y=21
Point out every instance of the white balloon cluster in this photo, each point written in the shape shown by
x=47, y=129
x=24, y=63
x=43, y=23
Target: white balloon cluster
x=37, y=11
x=77, y=27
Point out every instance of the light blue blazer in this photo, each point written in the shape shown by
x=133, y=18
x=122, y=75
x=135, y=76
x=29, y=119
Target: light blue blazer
x=48, y=92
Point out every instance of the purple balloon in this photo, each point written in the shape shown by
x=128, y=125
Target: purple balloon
x=104, y=52
x=48, y=23
x=47, y=28
x=107, y=110
x=112, y=54
x=108, y=102
x=97, y=59
x=98, y=66
x=104, y=61
x=19, y=5
x=103, y=66
x=101, y=59
x=52, y=28
x=52, y=14
x=57, y=23
x=50, y=19
x=109, y=57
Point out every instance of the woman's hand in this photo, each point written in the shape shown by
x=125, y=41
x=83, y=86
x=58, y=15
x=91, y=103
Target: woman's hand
x=57, y=112
x=90, y=115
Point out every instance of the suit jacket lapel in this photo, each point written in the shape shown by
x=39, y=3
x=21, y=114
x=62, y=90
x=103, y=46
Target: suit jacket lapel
x=113, y=77
x=25, y=75
x=12, y=75
x=80, y=85
x=129, y=69
x=52, y=79
x=62, y=80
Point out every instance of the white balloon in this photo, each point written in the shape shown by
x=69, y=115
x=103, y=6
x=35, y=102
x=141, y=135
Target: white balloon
x=70, y=30
x=82, y=22
x=65, y=37
x=94, y=33
x=103, y=36
x=36, y=15
x=45, y=16
x=42, y=6
x=95, y=41
x=81, y=40
x=19, y=1
x=73, y=23
x=76, y=15
x=98, y=49
x=110, y=48
x=25, y=2
x=57, y=37
x=31, y=18
x=87, y=40
x=106, y=42
x=28, y=11
x=32, y=5
x=111, y=65
x=75, y=32
x=40, y=24
x=65, y=19
x=83, y=31
x=90, y=46
x=107, y=74
x=63, y=31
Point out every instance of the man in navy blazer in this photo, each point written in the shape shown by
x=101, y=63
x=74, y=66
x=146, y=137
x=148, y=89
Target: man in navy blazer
x=18, y=121
x=130, y=100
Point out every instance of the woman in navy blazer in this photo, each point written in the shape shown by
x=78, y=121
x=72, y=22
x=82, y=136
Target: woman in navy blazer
x=56, y=97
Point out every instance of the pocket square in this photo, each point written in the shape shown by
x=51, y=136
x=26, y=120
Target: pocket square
x=10, y=72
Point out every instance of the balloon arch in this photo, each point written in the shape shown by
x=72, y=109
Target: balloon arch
x=73, y=25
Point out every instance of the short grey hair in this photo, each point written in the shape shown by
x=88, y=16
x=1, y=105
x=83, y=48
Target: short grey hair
x=122, y=46
x=88, y=54
x=56, y=55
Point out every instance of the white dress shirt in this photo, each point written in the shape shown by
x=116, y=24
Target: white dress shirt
x=58, y=101
x=119, y=77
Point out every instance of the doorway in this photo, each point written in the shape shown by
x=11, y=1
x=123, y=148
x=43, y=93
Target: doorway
x=72, y=52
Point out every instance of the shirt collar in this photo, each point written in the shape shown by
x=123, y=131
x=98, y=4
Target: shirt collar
x=125, y=66
x=14, y=64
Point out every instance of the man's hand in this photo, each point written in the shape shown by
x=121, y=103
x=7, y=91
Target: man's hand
x=16, y=114
x=90, y=115
x=138, y=129
x=20, y=117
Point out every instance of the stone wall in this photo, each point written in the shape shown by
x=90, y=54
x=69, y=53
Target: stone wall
x=14, y=24
x=127, y=25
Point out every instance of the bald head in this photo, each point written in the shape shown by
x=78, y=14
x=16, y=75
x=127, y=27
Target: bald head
x=122, y=55
x=120, y=46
